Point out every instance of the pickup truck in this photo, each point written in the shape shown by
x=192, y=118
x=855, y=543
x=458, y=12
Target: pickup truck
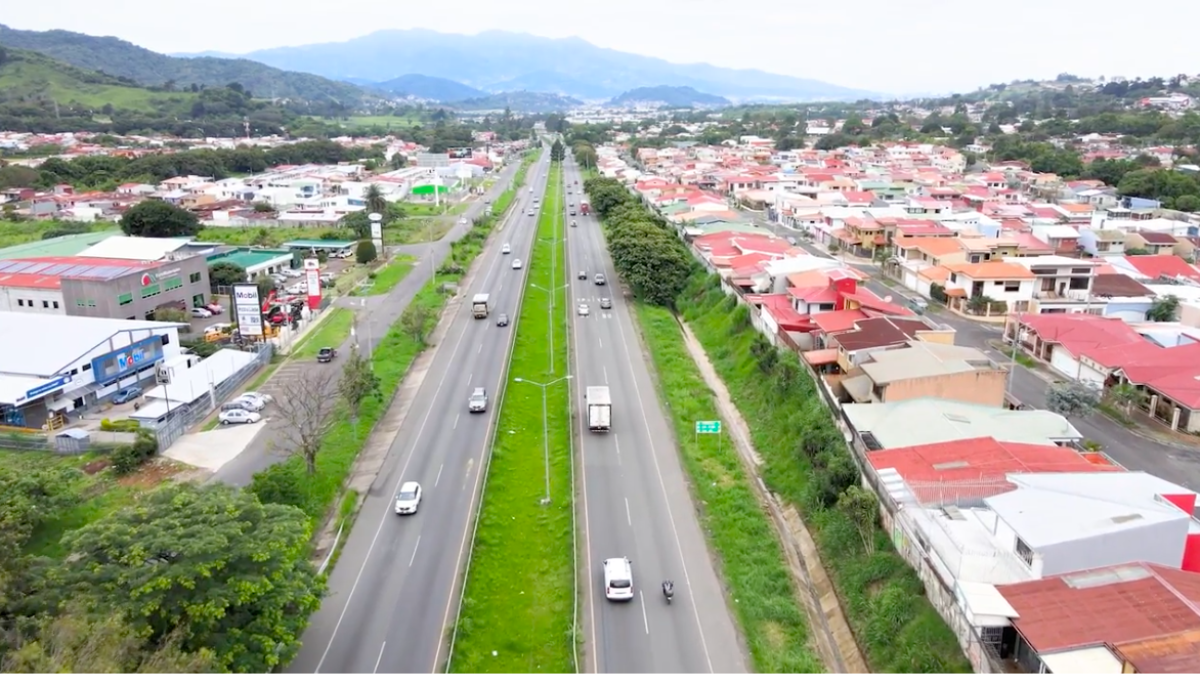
x=326, y=355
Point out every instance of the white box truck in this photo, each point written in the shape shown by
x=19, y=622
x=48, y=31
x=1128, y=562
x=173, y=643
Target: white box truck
x=599, y=409
x=479, y=306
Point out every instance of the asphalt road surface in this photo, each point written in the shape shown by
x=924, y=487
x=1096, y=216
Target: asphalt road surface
x=395, y=586
x=633, y=499
x=375, y=315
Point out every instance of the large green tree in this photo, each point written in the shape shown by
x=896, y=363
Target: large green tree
x=211, y=564
x=155, y=218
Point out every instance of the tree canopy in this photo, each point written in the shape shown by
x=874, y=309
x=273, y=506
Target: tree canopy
x=156, y=218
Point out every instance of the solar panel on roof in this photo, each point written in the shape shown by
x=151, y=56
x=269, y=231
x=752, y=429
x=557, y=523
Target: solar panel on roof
x=75, y=270
x=18, y=267
x=56, y=269
x=5, y=264
x=39, y=268
x=109, y=272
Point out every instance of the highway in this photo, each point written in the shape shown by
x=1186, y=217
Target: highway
x=633, y=497
x=396, y=583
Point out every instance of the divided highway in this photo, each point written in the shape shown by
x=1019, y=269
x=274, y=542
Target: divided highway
x=396, y=584
x=633, y=499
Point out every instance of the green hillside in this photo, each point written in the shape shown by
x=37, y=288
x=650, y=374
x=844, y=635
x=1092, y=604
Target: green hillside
x=127, y=60
x=31, y=78
x=519, y=101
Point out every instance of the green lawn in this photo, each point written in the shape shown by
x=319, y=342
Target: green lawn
x=751, y=561
x=66, y=85
x=380, y=121
x=12, y=234
x=270, y=237
x=390, y=274
x=332, y=332
x=517, y=612
x=416, y=230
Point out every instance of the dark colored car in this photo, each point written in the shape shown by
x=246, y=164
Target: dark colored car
x=502, y=320
x=326, y=355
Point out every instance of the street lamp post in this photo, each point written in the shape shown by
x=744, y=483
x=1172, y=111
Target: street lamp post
x=550, y=317
x=545, y=427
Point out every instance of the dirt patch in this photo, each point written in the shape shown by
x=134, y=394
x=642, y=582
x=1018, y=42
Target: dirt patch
x=875, y=588
x=151, y=474
x=94, y=467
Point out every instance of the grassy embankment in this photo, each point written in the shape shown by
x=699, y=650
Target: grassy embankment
x=385, y=278
x=807, y=463
x=520, y=587
x=288, y=482
x=332, y=332
x=751, y=561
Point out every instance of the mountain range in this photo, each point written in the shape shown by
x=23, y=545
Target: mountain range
x=675, y=97
x=499, y=61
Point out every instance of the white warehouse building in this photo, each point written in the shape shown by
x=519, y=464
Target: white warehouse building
x=64, y=364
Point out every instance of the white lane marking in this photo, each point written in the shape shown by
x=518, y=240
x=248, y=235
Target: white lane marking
x=480, y=350
x=380, y=658
x=601, y=342
x=456, y=420
x=469, y=378
x=645, y=619
x=403, y=469
x=605, y=369
x=628, y=518
x=439, y=476
x=414, y=555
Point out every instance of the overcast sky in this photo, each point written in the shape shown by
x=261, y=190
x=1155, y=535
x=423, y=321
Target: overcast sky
x=908, y=46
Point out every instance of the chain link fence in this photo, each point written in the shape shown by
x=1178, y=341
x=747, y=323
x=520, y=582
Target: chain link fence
x=186, y=416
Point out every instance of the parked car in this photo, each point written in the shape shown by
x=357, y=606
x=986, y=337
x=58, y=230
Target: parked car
x=126, y=395
x=200, y=313
x=265, y=398
x=215, y=308
x=239, y=417
x=326, y=355
x=253, y=402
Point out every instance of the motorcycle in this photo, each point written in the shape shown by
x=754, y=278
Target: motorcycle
x=668, y=589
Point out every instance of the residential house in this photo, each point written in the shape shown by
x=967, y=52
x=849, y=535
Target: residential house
x=925, y=421
x=1122, y=296
x=855, y=344
x=1154, y=269
x=1061, y=284
x=927, y=370
x=1102, y=243
x=1063, y=239
x=995, y=280
x=1147, y=242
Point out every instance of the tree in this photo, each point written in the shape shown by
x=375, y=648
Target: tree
x=358, y=384
x=374, y=199
x=862, y=508
x=1163, y=309
x=79, y=641
x=171, y=314
x=306, y=405
x=365, y=253
x=228, y=573
x=1072, y=399
x=1126, y=396
x=415, y=322
x=557, y=152
x=155, y=218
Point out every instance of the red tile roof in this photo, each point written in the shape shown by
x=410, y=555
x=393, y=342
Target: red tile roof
x=1070, y=612
x=1082, y=334
x=1163, y=267
x=836, y=322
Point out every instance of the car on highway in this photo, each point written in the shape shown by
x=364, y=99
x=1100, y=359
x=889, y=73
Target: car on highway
x=531, y=212
x=583, y=309
x=502, y=320
x=326, y=355
x=583, y=275
x=618, y=579
x=600, y=280
x=478, y=401
x=239, y=416
x=605, y=303
x=126, y=395
x=506, y=249
x=517, y=264
x=409, y=498
x=572, y=222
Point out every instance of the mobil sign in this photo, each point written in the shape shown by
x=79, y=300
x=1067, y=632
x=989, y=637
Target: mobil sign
x=312, y=277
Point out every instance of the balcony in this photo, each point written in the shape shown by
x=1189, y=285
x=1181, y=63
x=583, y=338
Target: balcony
x=1069, y=295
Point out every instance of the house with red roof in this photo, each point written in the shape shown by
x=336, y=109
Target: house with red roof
x=1157, y=269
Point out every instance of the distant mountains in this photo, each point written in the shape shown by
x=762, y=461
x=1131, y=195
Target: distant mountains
x=124, y=59
x=675, y=97
x=498, y=61
x=426, y=87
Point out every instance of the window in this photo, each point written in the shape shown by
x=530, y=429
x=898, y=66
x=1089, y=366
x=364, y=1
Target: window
x=194, y=278
x=165, y=338
x=45, y=304
x=80, y=302
x=1024, y=552
x=20, y=303
x=151, y=291
x=87, y=367
x=125, y=299
x=1012, y=286
x=55, y=304
x=172, y=284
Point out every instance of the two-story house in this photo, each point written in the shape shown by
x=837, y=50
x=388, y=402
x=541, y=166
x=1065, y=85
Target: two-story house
x=995, y=280
x=1062, y=284
x=1157, y=243
x=1102, y=242
x=927, y=370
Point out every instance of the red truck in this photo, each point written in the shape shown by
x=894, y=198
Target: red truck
x=584, y=207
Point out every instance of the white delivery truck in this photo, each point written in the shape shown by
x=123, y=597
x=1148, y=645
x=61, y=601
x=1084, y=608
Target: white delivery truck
x=479, y=306
x=599, y=409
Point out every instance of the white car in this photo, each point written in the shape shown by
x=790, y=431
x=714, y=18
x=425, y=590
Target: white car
x=256, y=402
x=583, y=310
x=265, y=398
x=237, y=416
x=517, y=264
x=409, y=498
x=618, y=579
x=506, y=249
x=200, y=313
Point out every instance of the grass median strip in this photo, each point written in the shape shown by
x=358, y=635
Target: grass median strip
x=332, y=332
x=751, y=560
x=518, y=604
x=390, y=274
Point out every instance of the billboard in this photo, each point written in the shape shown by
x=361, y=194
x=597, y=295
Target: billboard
x=312, y=275
x=117, y=364
x=247, y=308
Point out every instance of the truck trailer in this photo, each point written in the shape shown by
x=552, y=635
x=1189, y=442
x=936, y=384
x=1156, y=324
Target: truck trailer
x=479, y=306
x=599, y=409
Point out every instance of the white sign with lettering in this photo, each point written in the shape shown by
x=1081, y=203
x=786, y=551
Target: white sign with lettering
x=248, y=308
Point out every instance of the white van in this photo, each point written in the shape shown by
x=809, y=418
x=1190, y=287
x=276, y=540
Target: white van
x=618, y=579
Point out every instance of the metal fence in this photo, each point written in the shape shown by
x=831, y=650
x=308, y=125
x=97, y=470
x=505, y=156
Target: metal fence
x=183, y=418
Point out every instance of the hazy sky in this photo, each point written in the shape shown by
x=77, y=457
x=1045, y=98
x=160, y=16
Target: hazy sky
x=905, y=46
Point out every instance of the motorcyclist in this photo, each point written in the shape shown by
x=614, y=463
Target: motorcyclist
x=668, y=588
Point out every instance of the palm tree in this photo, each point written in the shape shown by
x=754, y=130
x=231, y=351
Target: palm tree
x=374, y=200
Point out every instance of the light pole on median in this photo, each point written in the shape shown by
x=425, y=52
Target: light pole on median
x=550, y=317
x=545, y=427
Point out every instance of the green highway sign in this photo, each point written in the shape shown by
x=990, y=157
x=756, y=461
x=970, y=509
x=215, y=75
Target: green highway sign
x=708, y=427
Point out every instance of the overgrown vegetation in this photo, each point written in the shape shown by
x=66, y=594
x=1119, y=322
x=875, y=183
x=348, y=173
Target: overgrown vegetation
x=751, y=561
x=520, y=587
